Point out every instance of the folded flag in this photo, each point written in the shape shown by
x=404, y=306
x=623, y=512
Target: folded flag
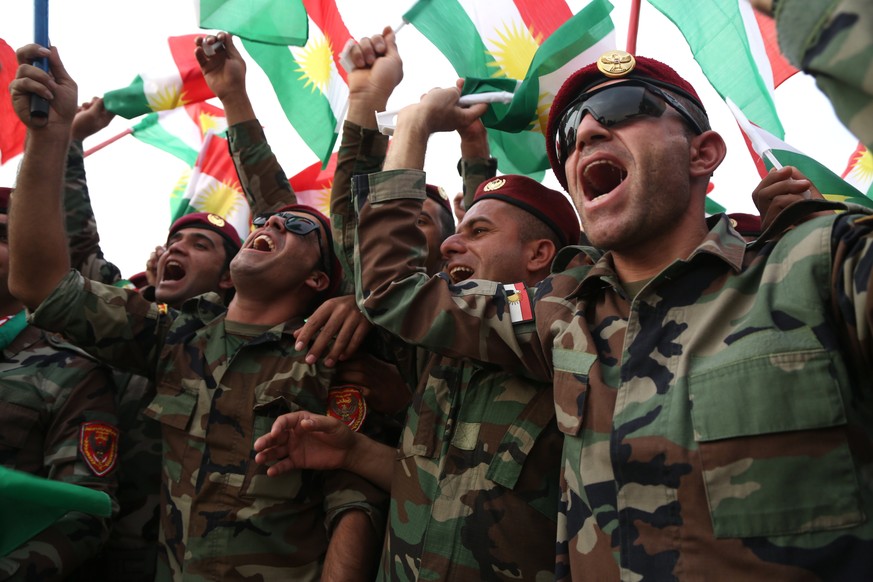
x=280, y=22
x=181, y=131
x=537, y=42
x=32, y=503
x=173, y=79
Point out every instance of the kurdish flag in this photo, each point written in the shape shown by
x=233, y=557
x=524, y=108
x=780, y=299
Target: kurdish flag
x=175, y=80
x=538, y=43
x=281, y=22
x=213, y=186
x=181, y=131
x=771, y=152
x=741, y=61
x=312, y=185
x=310, y=84
x=859, y=170
x=12, y=131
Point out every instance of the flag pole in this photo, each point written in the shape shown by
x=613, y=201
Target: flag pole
x=633, y=26
x=112, y=139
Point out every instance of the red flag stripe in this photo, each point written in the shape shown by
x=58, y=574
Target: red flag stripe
x=194, y=87
x=325, y=15
x=12, y=131
x=543, y=16
x=780, y=66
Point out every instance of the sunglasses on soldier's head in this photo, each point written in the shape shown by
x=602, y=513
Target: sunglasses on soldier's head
x=299, y=225
x=612, y=105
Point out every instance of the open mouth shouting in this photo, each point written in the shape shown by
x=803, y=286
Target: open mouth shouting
x=173, y=271
x=601, y=177
x=263, y=243
x=460, y=273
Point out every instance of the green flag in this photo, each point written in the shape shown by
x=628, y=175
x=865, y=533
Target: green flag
x=280, y=22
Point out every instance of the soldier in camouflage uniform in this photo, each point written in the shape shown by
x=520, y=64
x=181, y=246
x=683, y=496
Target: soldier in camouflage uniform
x=713, y=395
x=222, y=374
x=57, y=421
x=832, y=40
x=477, y=466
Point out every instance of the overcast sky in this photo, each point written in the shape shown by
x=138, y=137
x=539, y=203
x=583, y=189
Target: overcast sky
x=104, y=46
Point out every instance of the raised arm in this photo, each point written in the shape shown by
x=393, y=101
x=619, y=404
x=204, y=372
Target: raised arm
x=38, y=257
x=262, y=178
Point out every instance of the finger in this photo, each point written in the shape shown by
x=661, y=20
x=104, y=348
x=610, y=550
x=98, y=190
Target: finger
x=29, y=86
x=310, y=329
x=366, y=51
x=59, y=72
x=360, y=333
x=30, y=52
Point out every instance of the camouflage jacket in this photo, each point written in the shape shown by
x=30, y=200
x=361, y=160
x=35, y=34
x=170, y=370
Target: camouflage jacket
x=130, y=553
x=833, y=41
x=217, y=391
x=716, y=426
x=262, y=178
x=57, y=421
x=477, y=465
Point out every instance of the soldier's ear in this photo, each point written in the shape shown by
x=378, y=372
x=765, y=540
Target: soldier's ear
x=318, y=281
x=540, y=254
x=707, y=152
x=225, y=282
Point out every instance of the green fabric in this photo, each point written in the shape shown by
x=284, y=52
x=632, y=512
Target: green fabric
x=10, y=330
x=280, y=22
x=31, y=504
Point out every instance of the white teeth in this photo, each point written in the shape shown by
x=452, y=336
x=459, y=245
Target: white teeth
x=261, y=241
x=172, y=263
x=461, y=273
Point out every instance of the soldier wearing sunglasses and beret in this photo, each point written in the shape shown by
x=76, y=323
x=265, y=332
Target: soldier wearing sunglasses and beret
x=223, y=374
x=714, y=396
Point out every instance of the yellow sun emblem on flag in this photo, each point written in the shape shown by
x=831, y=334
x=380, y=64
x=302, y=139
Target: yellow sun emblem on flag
x=207, y=122
x=315, y=62
x=322, y=199
x=514, y=51
x=544, y=103
x=862, y=167
x=220, y=198
x=165, y=98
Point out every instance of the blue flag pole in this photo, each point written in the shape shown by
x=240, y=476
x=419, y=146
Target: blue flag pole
x=39, y=107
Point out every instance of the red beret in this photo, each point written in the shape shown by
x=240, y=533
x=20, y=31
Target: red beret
x=439, y=196
x=550, y=206
x=589, y=76
x=336, y=271
x=746, y=224
x=5, y=193
x=208, y=221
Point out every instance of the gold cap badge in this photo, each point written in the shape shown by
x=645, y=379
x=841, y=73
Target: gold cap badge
x=495, y=184
x=216, y=220
x=442, y=193
x=616, y=63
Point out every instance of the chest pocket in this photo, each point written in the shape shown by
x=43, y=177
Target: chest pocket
x=173, y=407
x=572, y=369
x=771, y=430
x=257, y=484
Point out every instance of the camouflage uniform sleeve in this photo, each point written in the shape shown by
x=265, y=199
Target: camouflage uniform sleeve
x=469, y=320
x=80, y=447
x=832, y=40
x=262, y=178
x=361, y=151
x=473, y=172
x=852, y=277
x=345, y=491
x=84, y=240
x=116, y=326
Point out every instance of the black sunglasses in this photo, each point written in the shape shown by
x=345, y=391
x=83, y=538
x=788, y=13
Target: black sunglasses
x=299, y=225
x=612, y=105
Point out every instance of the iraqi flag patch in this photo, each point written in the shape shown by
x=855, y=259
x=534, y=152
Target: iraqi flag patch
x=98, y=446
x=519, y=303
x=347, y=404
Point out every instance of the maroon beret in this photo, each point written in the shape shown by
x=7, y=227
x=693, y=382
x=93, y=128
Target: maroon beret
x=208, y=221
x=589, y=76
x=439, y=196
x=336, y=271
x=746, y=224
x=5, y=193
x=550, y=206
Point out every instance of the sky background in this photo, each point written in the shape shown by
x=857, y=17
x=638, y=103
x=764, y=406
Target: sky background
x=104, y=46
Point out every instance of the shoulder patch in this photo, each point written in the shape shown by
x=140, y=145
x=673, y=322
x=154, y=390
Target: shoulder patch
x=98, y=446
x=347, y=403
x=520, y=309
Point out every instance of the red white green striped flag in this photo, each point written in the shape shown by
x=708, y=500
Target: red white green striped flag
x=311, y=86
x=281, y=22
x=173, y=79
x=768, y=151
x=213, y=186
x=741, y=61
x=537, y=42
x=181, y=131
x=312, y=185
x=12, y=131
